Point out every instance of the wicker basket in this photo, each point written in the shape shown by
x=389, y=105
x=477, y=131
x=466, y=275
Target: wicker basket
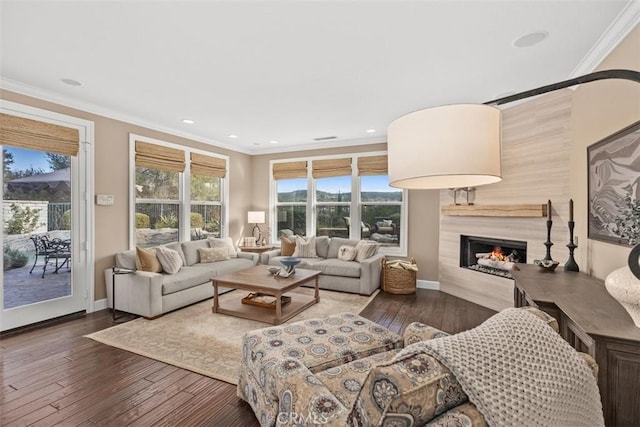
x=398, y=281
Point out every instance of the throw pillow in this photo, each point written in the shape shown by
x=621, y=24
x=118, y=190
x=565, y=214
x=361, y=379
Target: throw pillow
x=146, y=260
x=365, y=249
x=347, y=253
x=170, y=259
x=287, y=246
x=305, y=248
x=213, y=254
x=227, y=242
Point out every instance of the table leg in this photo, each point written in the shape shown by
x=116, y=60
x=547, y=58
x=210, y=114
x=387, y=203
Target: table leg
x=215, y=296
x=317, y=293
x=113, y=295
x=278, y=308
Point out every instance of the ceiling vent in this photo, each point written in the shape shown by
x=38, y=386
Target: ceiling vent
x=325, y=138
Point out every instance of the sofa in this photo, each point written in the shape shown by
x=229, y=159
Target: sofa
x=344, y=370
x=336, y=274
x=151, y=294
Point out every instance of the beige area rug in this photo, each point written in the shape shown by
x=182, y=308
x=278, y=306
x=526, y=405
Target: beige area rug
x=209, y=343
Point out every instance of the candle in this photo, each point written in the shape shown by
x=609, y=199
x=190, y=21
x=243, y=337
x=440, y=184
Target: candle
x=548, y=210
x=571, y=210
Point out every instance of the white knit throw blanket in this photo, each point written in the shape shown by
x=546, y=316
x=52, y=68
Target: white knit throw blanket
x=519, y=372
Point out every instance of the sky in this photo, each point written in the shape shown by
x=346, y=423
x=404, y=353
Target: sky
x=23, y=159
x=332, y=185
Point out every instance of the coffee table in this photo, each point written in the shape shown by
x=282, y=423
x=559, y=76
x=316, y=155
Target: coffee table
x=258, y=279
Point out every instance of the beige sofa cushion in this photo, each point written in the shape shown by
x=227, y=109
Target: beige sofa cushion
x=336, y=243
x=337, y=267
x=190, y=250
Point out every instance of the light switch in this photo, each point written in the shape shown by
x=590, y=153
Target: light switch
x=104, y=199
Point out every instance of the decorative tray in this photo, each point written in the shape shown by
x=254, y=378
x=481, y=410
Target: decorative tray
x=263, y=300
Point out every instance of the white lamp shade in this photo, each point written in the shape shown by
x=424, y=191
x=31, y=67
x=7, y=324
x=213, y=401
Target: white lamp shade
x=255, y=217
x=445, y=147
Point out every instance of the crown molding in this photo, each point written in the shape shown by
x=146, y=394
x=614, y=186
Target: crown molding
x=626, y=21
x=56, y=98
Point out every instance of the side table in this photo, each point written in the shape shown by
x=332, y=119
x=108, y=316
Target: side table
x=116, y=271
x=256, y=250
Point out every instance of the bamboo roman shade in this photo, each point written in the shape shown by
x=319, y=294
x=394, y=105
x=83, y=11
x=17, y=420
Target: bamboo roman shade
x=372, y=165
x=155, y=156
x=36, y=135
x=331, y=167
x=208, y=165
x=290, y=170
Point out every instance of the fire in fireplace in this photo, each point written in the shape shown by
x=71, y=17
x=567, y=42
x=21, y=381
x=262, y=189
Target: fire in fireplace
x=492, y=256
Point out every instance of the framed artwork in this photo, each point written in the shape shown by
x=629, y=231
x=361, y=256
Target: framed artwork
x=614, y=187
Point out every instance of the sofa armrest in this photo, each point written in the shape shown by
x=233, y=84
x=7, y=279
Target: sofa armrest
x=417, y=332
x=266, y=256
x=137, y=293
x=249, y=255
x=300, y=393
x=370, y=270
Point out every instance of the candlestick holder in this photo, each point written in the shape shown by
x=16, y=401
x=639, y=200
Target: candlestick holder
x=571, y=264
x=548, y=243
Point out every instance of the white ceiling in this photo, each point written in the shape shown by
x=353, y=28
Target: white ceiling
x=292, y=71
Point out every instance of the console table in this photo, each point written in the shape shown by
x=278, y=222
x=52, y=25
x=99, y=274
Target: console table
x=594, y=323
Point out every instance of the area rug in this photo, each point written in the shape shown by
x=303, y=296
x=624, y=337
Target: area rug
x=209, y=343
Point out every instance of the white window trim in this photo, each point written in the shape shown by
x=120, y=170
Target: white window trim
x=184, y=189
x=355, y=203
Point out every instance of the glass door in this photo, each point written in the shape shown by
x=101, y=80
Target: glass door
x=41, y=237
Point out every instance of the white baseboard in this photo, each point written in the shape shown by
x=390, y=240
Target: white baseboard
x=428, y=284
x=100, y=304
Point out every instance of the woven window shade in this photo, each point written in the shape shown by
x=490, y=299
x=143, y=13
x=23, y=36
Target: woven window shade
x=290, y=170
x=208, y=166
x=331, y=167
x=37, y=135
x=373, y=165
x=155, y=156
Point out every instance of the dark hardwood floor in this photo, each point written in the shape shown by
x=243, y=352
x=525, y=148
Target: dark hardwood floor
x=55, y=376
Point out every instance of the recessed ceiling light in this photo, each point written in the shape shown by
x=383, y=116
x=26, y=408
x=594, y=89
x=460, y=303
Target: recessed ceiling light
x=256, y=143
x=273, y=142
x=530, y=39
x=232, y=136
x=371, y=130
x=71, y=82
x=188, y=121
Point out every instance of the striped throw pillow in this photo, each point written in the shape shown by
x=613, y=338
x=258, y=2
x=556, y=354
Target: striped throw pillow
x=365, y=249
x=170, y=260
x=305, y=248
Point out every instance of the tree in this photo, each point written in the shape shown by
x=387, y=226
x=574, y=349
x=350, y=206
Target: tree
x=58, y=161
x=7, y=161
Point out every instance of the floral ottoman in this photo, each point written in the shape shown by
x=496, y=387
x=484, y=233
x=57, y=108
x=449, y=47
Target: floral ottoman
x=317, y=344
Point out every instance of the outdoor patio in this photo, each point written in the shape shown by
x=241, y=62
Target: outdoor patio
x=22, y=288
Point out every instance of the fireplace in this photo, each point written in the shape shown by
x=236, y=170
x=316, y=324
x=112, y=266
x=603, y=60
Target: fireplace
x=491, y=256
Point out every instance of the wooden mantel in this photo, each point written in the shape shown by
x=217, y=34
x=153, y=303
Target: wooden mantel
x=512, y=210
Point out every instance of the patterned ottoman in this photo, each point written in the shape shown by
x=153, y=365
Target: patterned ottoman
x=318, y=344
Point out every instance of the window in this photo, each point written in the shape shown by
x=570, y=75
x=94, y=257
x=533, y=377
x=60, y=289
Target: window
x=349, y=197
x=291, y=206
x=157, y=206
x=179, y=193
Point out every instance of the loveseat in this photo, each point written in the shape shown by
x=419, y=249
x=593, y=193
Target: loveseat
x=359, y=277
x=151, y=294
x=344, y=370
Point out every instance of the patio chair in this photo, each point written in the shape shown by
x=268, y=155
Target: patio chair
x=56, y=249
x=41, y=249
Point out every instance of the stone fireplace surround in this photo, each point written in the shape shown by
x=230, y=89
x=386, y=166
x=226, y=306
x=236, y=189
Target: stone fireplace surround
x=536, y=143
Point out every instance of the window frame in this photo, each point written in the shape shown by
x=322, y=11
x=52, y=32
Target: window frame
x=184, y=190
x=355, y=204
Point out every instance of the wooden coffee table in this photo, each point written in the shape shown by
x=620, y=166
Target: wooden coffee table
x=258, y=279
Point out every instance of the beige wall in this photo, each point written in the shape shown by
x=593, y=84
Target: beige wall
x=111, y=154
x=423, y=206
x=599, y=110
